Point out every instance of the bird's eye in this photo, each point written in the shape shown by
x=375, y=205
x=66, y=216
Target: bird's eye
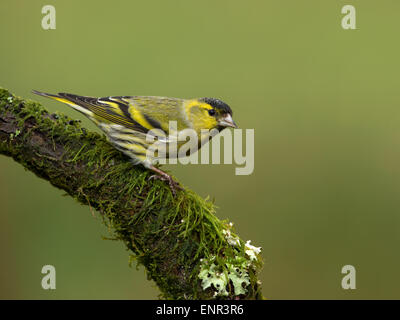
x=211, y=112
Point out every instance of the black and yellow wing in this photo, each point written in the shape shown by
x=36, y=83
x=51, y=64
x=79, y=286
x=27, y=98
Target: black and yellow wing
x=114, y=110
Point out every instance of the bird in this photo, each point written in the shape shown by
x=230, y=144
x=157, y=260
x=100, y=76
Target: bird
x=128, y=121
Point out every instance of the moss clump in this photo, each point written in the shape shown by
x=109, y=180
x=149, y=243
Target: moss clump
x=172, y=237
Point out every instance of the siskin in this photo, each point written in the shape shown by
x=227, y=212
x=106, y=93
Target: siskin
x=127, y=121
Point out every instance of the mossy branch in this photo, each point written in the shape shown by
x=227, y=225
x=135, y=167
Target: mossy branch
x=185, y=248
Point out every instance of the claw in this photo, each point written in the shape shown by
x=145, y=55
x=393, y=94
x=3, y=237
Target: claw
x=161, y=175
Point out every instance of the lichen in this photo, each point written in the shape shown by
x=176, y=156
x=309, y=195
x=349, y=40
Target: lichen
x=252, y=251
x=233, y=269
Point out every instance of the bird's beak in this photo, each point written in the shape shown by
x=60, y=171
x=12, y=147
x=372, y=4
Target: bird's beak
x=227, y=121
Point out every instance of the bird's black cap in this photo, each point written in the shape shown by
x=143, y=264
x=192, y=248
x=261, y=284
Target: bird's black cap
x=218, y=104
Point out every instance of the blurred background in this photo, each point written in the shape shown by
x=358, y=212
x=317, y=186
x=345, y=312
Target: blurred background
x=324, y=103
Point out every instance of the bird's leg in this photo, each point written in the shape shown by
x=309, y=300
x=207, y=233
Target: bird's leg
x=161, y=175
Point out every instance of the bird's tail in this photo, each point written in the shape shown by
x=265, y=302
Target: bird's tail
x=64, y=99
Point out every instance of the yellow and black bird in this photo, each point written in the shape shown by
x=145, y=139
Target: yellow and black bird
x=127, y=121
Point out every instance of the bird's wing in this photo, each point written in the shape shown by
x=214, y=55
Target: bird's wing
x=159, y=111
x=114, y=110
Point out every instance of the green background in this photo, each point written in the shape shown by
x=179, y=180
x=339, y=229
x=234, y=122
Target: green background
x=324, y=103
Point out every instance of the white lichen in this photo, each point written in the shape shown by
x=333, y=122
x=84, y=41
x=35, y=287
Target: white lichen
x=210, y=278
x=235, y=270
x=232, y=240
x=252, y=251
x=238, y=278
x=237, y=273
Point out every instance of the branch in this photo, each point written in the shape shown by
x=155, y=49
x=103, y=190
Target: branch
x=185, y=248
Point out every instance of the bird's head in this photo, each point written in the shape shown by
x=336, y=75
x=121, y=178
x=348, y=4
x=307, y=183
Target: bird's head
x=210, y=113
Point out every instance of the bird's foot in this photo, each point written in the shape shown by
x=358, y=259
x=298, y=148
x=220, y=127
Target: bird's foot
x=161, y=175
